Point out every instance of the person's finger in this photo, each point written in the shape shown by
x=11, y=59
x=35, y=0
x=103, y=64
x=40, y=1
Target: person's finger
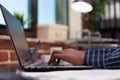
x=55, y=59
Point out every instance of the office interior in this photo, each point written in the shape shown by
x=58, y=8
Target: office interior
x=56, y=24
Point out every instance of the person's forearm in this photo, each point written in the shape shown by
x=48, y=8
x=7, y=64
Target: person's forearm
x=95, y=58
x=103, y=58
x=112, y=59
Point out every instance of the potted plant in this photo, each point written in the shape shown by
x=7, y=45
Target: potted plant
x=98, y=10
x=20, y=17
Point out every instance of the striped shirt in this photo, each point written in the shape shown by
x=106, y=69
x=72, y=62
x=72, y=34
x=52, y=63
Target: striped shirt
x=103, y=58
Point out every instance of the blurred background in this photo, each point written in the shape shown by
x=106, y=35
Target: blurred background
x=59, y=23
x=56, y=23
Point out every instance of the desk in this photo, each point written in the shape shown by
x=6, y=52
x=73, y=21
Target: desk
x=7, y=72
x=95, y=74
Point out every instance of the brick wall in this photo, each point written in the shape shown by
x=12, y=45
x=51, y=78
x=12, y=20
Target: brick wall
x=8, y=55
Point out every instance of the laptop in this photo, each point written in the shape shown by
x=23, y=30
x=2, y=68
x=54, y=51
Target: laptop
x=26, y=59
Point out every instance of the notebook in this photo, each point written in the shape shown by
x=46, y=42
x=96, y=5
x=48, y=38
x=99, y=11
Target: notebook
x=24, y=55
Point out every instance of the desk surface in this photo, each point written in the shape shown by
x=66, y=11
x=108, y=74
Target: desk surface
x=7, y=72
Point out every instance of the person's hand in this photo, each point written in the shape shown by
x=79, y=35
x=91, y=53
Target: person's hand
x=72, y=56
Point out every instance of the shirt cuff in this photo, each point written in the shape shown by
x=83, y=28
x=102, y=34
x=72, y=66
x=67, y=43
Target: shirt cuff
x=94, y=58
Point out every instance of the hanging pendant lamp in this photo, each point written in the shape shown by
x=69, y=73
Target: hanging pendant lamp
x=81, y=6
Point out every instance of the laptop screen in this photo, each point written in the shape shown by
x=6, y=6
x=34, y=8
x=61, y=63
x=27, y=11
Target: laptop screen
x=17, y=36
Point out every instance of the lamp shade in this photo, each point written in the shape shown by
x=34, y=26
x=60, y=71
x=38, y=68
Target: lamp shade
x=81, y=6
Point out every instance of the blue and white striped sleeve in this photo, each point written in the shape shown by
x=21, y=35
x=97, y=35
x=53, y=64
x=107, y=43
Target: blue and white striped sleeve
x=103, y=58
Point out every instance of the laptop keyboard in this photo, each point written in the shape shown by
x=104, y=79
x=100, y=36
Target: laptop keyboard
x=55, y=68
x=43, y=67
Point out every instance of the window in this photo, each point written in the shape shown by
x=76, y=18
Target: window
x=16, y=8
x=61, y=12
x=24, y=7
x=110, y=21
x=52, y=12
x=41, y=12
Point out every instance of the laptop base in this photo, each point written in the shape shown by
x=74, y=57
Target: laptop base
x=55, y=68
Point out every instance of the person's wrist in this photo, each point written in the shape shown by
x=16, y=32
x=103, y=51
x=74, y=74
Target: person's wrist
x=80, y=59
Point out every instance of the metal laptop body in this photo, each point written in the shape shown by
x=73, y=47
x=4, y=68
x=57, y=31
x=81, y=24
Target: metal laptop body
x=22, y=49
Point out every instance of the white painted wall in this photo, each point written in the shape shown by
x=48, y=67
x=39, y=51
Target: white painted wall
x=75, y=22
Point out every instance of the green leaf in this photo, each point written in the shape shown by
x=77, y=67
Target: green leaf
x=20, y=17
x=98, y=11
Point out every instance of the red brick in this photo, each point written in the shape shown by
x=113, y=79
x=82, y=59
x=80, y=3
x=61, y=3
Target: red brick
x=45, y=46
x=32, y=44
x=13, y=56
x=5, y=44
x=3, y=56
